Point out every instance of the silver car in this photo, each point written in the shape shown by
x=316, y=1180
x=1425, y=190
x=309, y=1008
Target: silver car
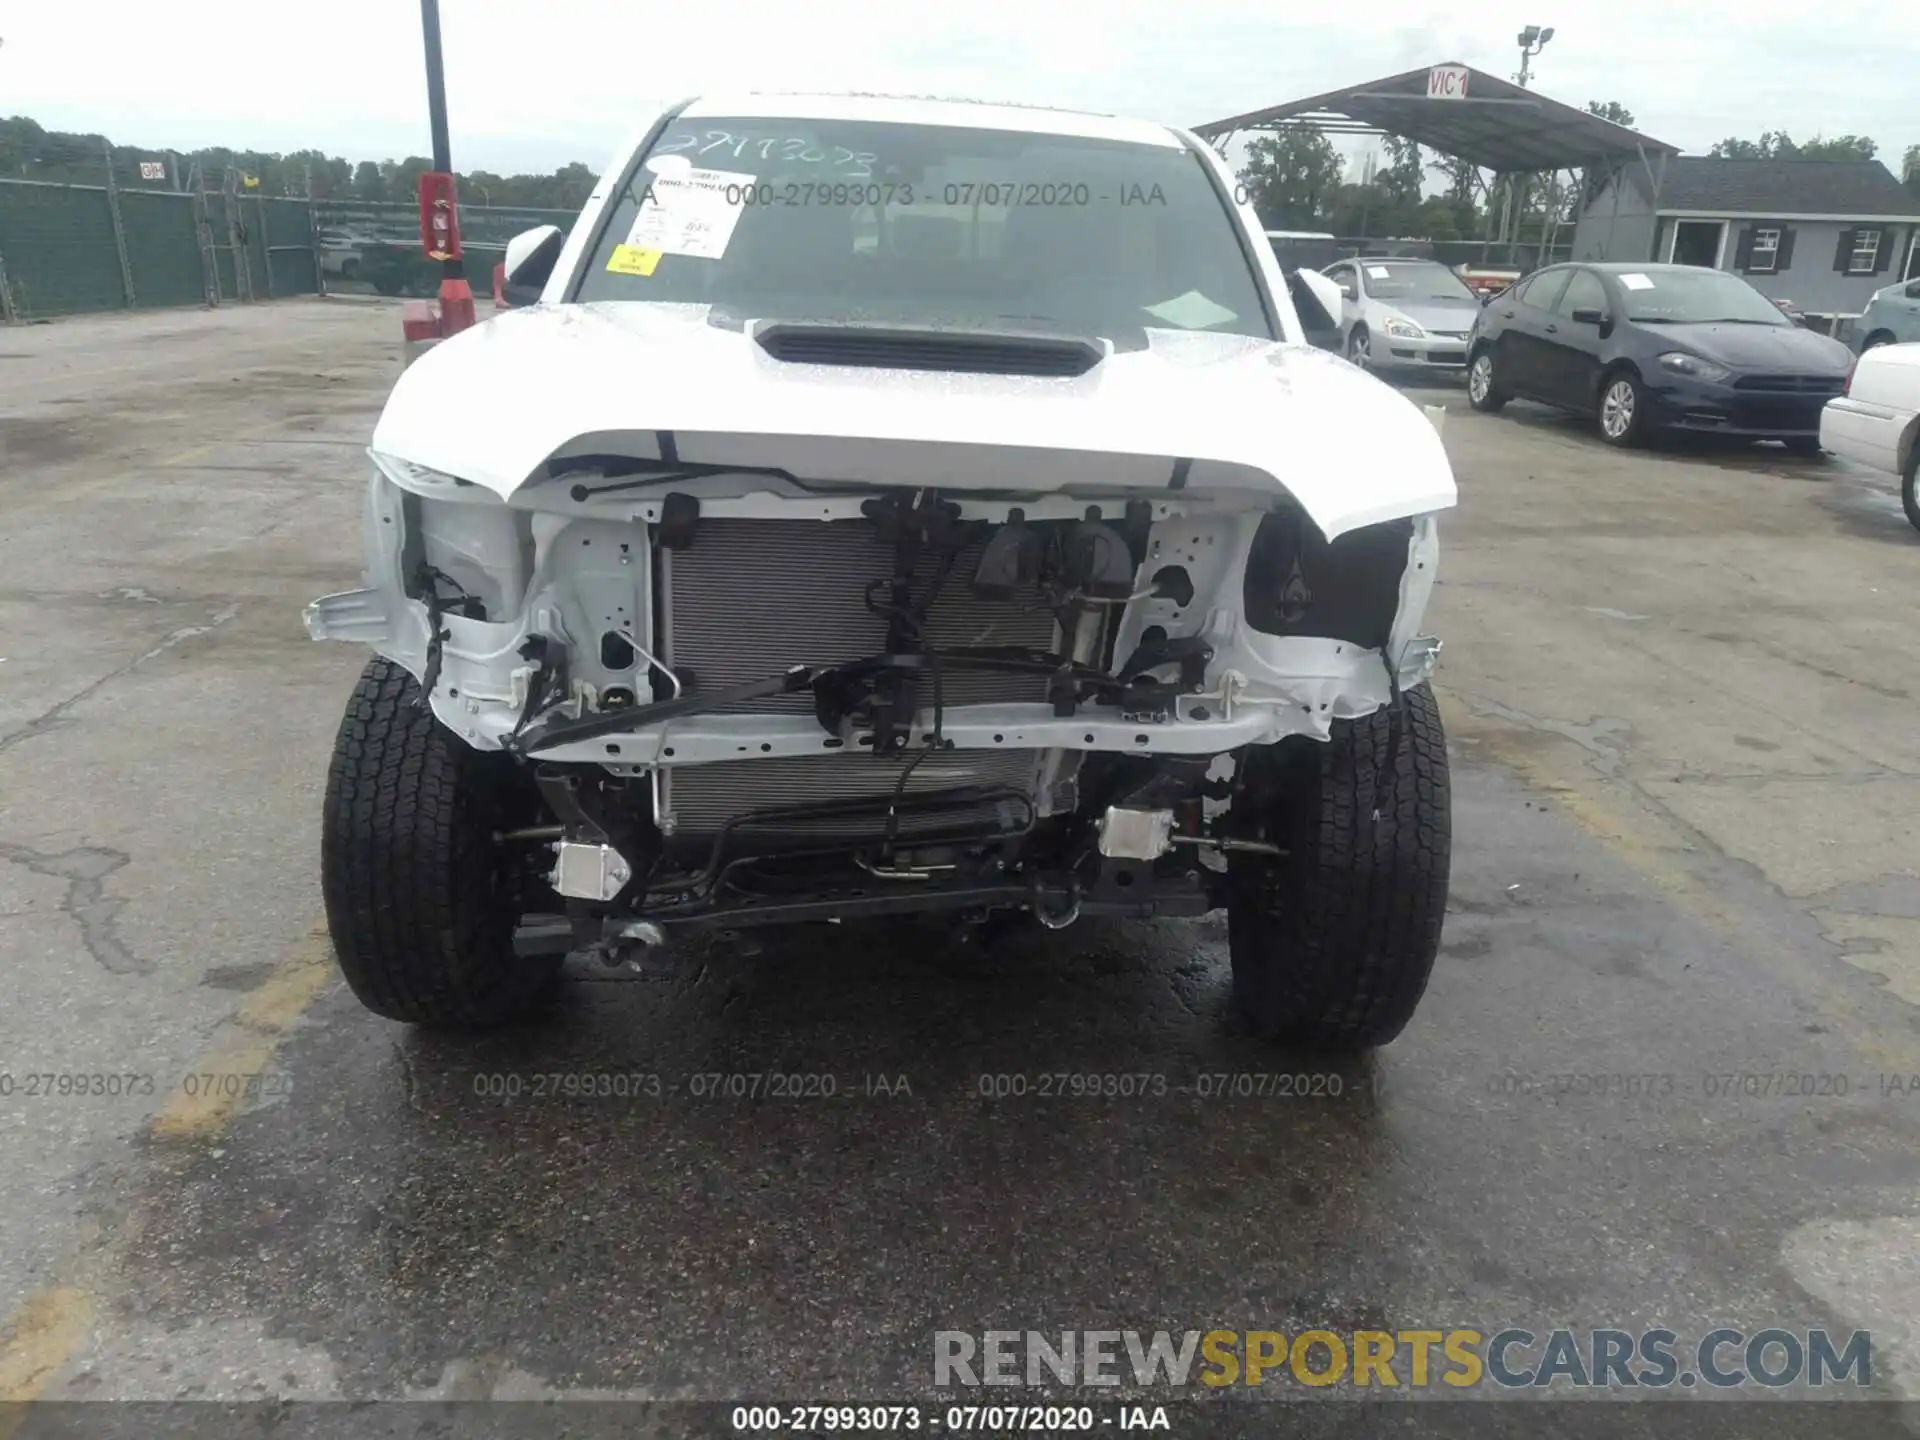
x=1892, y=317
x=1403, y=315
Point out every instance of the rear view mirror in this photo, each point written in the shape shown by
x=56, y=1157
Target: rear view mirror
x=529, y=263
x=1589, y=317
x=1316, y=298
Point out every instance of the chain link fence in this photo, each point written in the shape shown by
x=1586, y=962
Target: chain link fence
x=84, y=232
x=375, y=248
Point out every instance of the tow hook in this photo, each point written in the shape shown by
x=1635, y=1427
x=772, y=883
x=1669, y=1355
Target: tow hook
x=1061, y=919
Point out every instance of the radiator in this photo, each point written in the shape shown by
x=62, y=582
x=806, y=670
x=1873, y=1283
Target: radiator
x=751, y=598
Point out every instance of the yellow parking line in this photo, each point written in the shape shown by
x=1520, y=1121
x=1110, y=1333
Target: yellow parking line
x=203, y=1109
x=48, y=1329
x=1652, y=842
x=37, y=1341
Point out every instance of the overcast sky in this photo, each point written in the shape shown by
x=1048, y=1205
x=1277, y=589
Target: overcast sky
x=345, y=76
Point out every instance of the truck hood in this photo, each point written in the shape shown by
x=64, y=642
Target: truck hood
x=1213, y=412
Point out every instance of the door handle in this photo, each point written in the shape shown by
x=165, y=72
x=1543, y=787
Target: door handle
x=1506, y=314
x=1553, y=329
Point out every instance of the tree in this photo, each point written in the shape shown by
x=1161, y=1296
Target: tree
x=1291, y=178
x=1404, y=175
x=1840, y=147
x=1462, y=177
x=1611, y=110
x=1778, y=145
x=1910, y=170
x=31, y=152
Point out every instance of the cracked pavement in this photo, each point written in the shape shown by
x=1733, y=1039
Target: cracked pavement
x=1679, y=688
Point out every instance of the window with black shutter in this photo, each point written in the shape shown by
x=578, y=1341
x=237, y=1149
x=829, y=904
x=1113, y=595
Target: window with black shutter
x=1761, y=244
x=1860, y=252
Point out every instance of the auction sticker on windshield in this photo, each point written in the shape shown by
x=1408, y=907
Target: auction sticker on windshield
x=632, y=260
x=1636, y=282
x=690, y=211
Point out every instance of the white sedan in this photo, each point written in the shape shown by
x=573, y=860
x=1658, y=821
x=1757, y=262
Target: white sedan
x=1877, y=420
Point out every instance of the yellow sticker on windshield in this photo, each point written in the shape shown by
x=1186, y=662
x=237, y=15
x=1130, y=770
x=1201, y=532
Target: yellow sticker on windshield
x=632, y=260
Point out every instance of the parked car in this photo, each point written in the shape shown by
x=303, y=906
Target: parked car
x=1294, y=248
x=1403, y=315
x=782, y=565
x=1487, y=281
x=1645, y=348
x=1892, y=317
x=1877, y=421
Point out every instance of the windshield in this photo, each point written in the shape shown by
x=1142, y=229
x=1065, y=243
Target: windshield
x=1385, y=280
x=1689, y=296
x=841, y=219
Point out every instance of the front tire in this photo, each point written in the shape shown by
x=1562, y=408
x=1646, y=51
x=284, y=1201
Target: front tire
x=1876, y=340
x=1360, y=347
x=1909, y=480
x=1332, y=944
x=421, y=911
x=1807, y=445
x=1483, y=386
x=1622, y=412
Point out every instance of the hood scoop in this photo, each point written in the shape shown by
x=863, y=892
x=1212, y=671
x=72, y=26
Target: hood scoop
x=972, y=352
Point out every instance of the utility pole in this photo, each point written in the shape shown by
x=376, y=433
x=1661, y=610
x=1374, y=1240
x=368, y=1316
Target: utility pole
x=439, y=206
x=1532, y=41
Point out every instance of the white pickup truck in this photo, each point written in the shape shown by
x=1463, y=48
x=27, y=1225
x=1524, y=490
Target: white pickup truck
x=1876, y=422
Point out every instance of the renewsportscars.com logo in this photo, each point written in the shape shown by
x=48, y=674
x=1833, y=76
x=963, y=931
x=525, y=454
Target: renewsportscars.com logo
x=1602, y=1358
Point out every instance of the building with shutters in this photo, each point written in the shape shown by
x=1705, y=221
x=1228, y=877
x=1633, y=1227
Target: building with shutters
x=1820, y=236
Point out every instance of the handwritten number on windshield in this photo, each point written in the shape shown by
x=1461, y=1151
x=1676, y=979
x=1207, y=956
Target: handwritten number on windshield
x=792, y=149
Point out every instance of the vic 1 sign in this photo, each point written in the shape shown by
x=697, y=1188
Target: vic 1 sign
x=1447, y=82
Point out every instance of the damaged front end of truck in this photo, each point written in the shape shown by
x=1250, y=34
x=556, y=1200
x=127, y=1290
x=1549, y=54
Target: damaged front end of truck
x=740, y=694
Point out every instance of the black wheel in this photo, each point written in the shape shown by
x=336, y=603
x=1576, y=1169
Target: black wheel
x=1483, y=386
x=1876, y=340
x=1332, y=944
x=1622, y=409
x=1908, y=500
x=1804, y=445
x=420, y=901
x=1360, y=347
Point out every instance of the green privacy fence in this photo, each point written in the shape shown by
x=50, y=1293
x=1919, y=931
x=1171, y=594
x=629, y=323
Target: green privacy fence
x=57, y=244
x=69, y=249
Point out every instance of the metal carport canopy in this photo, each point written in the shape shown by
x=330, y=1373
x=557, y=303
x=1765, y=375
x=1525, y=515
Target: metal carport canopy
x=1495, y=124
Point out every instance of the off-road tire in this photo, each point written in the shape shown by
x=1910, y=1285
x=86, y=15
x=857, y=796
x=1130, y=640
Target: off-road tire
x=1332, y=945
x=421, y=925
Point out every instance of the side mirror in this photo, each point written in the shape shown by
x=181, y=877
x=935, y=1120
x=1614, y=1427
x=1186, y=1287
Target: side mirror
x=1349, y=290
x=529, y=263
x=1316, y=298
x=1589, y=317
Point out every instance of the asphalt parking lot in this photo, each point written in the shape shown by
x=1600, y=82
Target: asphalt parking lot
x=1668, y=1070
